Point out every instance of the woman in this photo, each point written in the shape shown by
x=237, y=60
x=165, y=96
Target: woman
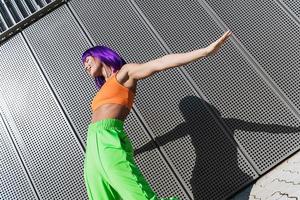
x=109, y=168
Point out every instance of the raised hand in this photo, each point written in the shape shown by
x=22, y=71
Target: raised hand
x=215, y=46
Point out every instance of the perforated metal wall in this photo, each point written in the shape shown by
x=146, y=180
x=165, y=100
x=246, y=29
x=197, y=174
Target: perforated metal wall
x=15, y=183
x=51, y=154
x=293, y=5
x=58, y=61
x=273, y=44
x=61, y=62
x=201, y=131
x=169, y=105
x=57, y=45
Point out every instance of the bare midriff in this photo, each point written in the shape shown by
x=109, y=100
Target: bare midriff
x=110, y=110
x=113, y=110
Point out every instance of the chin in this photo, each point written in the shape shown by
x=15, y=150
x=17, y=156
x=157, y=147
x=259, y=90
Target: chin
x=92, y=75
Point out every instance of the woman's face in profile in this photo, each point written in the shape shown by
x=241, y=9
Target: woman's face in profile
x=92, y=66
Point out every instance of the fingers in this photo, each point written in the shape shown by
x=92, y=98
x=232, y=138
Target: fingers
x=226, y=35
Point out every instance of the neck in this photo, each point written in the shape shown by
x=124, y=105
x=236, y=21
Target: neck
x=106, y=73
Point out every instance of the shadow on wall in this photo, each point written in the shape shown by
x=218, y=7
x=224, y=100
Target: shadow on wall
x=216, y=172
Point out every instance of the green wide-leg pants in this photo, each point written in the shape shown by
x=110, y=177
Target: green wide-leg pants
x=110, y=172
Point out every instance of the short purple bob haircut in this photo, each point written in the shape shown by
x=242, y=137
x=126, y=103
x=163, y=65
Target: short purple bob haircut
x=106, y=55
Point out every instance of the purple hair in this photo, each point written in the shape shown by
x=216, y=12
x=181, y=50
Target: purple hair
x=106, y=55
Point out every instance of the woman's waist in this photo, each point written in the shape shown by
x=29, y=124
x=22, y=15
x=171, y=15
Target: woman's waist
x=110, y=111
x=107, y=123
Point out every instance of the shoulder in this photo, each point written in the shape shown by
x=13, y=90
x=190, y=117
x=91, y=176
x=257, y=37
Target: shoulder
x=128, y=69
x=123, y=77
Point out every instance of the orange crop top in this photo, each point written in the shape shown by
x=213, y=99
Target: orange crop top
x=113, y=92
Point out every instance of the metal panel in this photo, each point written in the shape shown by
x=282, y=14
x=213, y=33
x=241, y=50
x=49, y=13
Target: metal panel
x=6, y=15
x=166, y=102
x=250, y=109
x=273, y=41
x=293, y=5
x=3, y=25
x=13, y=10
x=58, y=45
x=276, y=54
x=14, y=182
x=258, y=119
x=16, y=15
x=51, y=152
x=23, y=8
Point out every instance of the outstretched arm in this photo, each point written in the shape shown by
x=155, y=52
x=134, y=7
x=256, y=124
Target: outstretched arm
x=142, y=70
